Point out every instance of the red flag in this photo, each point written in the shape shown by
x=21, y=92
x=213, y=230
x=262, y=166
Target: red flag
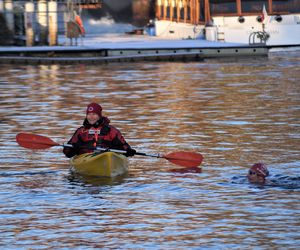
x=264, y=15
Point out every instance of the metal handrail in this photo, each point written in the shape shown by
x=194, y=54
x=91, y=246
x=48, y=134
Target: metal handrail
x=262, y=36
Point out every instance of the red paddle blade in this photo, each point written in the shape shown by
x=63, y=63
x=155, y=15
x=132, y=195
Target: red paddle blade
x=185, y=159
x=33, y=141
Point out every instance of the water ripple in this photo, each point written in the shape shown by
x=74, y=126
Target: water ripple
x=234, y=113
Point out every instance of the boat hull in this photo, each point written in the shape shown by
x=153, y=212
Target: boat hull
x=107, y=164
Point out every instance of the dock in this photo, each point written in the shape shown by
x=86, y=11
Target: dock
x=110, y=48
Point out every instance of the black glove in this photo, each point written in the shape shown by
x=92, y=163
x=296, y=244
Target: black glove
x=77, y=146
x=130, y=152
x=71, y=151
x=68, y=152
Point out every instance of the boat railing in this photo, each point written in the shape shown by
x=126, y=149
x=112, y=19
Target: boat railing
x=258, y=38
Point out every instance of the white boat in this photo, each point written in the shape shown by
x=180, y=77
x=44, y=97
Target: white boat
x=270, y=22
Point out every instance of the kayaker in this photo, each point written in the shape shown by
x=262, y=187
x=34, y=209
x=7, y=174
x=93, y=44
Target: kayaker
x=96, y=132
x=258, y=173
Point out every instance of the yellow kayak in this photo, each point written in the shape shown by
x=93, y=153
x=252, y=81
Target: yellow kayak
x=106, y=164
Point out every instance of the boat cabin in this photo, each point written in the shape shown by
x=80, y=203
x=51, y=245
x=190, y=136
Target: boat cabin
x=201, y=11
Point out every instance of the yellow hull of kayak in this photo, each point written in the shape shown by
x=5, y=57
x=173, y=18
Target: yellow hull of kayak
x=107, y=164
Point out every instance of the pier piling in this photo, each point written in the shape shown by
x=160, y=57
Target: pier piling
x=9, y=15
x=42, y=21
x=29, y=31
x=52, y=20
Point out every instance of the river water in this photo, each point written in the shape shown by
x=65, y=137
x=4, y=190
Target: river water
x=235, y=112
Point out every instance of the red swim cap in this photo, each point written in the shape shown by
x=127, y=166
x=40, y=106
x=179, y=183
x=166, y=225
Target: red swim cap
x=260, y=169
x=94, y=108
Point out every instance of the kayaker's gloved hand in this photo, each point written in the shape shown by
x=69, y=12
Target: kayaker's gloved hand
x=69, y=152
x=77, y=146
x=130, y=152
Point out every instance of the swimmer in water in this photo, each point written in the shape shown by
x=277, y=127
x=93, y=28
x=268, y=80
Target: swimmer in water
x=258, y=173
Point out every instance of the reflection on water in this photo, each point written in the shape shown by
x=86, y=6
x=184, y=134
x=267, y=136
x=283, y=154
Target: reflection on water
x=234, y=112
x=76, y=179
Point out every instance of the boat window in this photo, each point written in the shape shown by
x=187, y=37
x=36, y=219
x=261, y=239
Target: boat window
x=284, y=6
x=188, y=13
x=254, y=6
x=201, y=12
x=162, y=11
x=181, y=13
x=222, y=7
x=175, y=12
x=168, y=10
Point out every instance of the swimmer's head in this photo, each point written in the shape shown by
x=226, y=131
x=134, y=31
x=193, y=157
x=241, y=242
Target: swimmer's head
x=258, y=172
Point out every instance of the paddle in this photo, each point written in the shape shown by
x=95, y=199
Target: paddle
x=181, y=158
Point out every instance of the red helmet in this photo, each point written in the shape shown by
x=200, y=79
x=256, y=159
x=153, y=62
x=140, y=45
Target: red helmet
x=259, y=169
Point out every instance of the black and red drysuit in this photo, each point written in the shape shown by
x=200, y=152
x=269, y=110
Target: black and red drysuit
x=101, y=134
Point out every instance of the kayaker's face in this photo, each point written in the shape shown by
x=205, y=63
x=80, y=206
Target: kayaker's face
x=92, y=118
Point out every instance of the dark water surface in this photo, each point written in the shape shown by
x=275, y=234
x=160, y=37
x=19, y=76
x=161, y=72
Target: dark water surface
x=235, y=113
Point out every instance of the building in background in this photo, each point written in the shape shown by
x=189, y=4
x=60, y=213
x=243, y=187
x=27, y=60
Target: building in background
x=135, y=12
x=38, y=21
x=41, y=21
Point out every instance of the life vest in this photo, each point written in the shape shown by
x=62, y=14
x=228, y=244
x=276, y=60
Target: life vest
x=99, y=135
x=80, y=24
x=94, y=137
